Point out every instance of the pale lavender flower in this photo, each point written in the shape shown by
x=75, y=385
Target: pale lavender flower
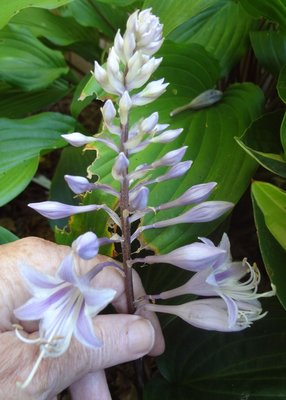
x=86, y=246
x=79, y=184
x=195, y=194
x=56, y=210
x=64, y=304
x=192, y=257
x=212, y=314
x=120, y=165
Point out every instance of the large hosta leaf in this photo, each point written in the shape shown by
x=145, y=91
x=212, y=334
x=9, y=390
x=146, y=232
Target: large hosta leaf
x=209, y=133
x=103, y=16
x=269, y=205
x=216, y=29
x=27, y=63
x=270, y=49
x=59, y=30
x=275, y=10
x=21, y=143
x=204, y=365
x=14, y=103
x=262, y=141
x=12, y=7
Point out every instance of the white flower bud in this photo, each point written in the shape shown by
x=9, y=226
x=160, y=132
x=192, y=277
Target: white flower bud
x=167, y=136
x=171, y=158
x=149, y=123
x=108, y=112
x=77, y=139
x=125, y=104
x=150, y=93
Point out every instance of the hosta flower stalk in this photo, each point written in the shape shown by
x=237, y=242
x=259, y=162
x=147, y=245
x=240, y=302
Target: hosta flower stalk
x=65, y=303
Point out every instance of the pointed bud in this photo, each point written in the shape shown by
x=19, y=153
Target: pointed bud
x=86, y=246
x=195, y=194
x=129, y=44
x=204, y=212
x=118, y=45
x=56, y=210
x=176, y=171
x=78, y=184
x=108, y=112
x=192, y=257
x=125, y=105
x=138, y=200
x=167, y=136
x=77, y=139
x=171, y=158
x=149, y=123
x=150, y=93
x=120, y=166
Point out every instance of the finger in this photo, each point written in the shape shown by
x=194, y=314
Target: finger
x=91, y=386
x=111, y=278
x=125, y=338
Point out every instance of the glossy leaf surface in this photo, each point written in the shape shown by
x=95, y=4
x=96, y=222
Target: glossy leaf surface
x=21, y=143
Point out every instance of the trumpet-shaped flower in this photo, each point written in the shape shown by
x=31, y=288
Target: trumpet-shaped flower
x=232, y=281
x=65, y=305
x=212, y=314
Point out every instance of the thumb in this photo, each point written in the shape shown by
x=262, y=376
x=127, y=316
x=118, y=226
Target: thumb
x=91, y=386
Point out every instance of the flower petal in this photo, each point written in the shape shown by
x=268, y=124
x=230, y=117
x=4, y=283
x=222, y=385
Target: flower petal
x=35, y=309
x=66, y=270
x=84, y=330
x=37, y=281
x=96, y=299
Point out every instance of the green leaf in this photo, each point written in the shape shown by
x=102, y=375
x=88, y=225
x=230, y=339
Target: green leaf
x=272, y=202
x=173, y=13
x=274, y=10
x=272, y=248
x=84, y=94
x=270, y=49
x=59, y=30
x=262, y=141
x=204, y=365
x=27, y=63
x=15, y=103
x=281, y=85
x=216, y=29
x=107, y=18
x=209, y=133
x=92, y=88
x=21, y=143
x=12, y=7
x=6, y=236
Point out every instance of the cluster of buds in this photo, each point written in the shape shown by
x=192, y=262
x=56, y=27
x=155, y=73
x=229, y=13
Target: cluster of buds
x=129, y=66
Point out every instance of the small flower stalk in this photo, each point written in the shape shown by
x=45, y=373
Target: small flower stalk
x=65, y=304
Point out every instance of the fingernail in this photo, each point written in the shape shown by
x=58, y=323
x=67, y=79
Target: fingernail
x=141, y=337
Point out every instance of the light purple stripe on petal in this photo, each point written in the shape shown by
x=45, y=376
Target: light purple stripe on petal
x=84, y=331
x=37, y=280
x=66, y=270
x=35, y=309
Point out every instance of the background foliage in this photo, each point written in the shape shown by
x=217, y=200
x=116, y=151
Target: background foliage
x=239, y=47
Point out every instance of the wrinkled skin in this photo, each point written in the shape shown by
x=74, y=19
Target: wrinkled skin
x=125, y=337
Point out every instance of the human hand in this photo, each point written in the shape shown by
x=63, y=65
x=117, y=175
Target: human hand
x=125, y=337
